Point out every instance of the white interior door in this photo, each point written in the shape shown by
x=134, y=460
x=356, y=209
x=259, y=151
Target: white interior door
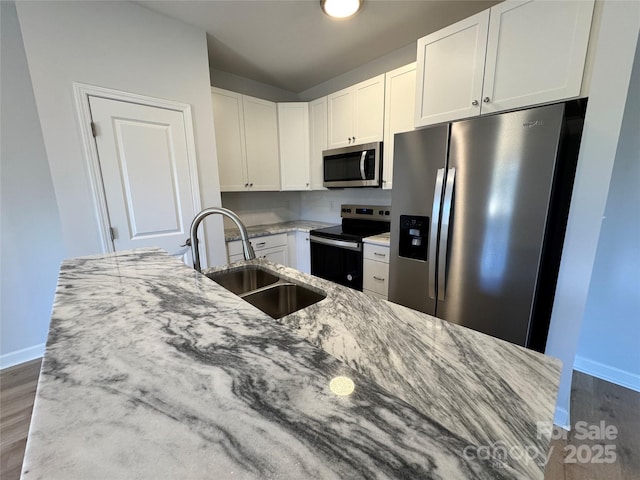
x=145, y=172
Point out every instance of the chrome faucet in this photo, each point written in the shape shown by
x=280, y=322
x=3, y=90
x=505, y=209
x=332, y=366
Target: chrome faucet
x=247, y=249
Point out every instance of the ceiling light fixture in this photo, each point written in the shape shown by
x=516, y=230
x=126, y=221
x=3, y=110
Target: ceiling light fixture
x=341, y=8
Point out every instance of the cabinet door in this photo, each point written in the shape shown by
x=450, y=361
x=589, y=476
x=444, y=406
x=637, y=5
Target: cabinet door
x=303, y=252
x=450, y=65
x=275, y=255
x=368, y=110
x=228, y=121
x=293, y=128
x=340, y=124
x=318, y=136
x=536, y=52
x=399, y=107
x=261, y=135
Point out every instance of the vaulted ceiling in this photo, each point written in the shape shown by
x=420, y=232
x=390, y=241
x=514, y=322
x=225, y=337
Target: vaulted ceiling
x=292, y=45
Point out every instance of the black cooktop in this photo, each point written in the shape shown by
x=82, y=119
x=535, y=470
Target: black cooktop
x=353, y=229
x=358, y=222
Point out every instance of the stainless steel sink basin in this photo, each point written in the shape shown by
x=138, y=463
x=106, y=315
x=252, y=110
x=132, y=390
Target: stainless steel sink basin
x=282, y=299
x=245, y=279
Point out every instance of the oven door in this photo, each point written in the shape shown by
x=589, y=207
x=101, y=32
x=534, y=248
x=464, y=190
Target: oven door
x=337, y=260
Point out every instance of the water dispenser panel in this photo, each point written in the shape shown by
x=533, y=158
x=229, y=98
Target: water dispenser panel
x=414, y=237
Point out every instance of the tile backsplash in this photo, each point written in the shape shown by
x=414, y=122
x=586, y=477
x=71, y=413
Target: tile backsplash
x=257, y=208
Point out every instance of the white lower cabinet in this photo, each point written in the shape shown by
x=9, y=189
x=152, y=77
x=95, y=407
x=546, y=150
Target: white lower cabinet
x=272, y=247
x=303, y=252
x=376, y=271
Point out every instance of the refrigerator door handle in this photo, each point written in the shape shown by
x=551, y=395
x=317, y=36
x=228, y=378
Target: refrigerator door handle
x=444, y=232
x=433, y=236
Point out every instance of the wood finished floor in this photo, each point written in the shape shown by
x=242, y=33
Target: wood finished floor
x=592, y=401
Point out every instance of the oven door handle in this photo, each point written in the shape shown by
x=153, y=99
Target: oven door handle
x=357, y=246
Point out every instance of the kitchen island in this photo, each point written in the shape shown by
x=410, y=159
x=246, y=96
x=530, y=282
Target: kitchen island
x=154, y=371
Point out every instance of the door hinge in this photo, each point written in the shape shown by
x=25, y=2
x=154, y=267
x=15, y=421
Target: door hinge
x=94, y=130
x=114, y=233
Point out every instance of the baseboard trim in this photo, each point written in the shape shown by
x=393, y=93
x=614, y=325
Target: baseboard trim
x=561, y=418
x=608, y=373
x=20, y=356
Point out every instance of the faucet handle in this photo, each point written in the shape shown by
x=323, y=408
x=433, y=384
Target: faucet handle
x=187, y=243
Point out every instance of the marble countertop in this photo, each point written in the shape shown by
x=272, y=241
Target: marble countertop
x=231, y=234
x=383, y=239
x=154, y=371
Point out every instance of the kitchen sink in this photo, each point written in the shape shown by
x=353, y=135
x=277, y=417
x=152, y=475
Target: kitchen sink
x=282, y=299
x=245, y=279
x=274, y=295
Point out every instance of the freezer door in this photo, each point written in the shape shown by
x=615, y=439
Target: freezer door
x=418, y=176
x=504, y=167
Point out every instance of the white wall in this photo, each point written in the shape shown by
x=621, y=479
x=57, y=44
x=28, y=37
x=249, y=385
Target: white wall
x=246, y=86
x=30, y=233
x=122, y=46
x=609, y=344
x=610, y=81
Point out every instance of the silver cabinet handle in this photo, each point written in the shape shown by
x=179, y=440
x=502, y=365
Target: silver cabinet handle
x=246, y=185
x=433, y=237
x=378, y=254
x=380, y=279
x=261, y=244
x=486, y=99
x=474, y=103
x=187, y=243
x=444, y=231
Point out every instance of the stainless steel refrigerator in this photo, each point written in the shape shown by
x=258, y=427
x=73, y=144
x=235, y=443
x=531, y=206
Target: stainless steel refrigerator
x=479, y=215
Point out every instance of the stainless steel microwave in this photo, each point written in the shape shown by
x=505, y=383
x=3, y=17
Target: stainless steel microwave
x=355, y=166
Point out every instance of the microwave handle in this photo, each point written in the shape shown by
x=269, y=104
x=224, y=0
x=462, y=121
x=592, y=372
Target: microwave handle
x=363, y=158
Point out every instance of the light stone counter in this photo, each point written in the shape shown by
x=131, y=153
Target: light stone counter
x=383, y=239
x=154, y=371
x=231, y=234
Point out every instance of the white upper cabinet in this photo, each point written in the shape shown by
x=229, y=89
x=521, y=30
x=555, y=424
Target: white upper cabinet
x=261, y=133
x=230, y=144
x=318, y=140
x=450, y=67
x=293, y=127
x=536, y=52
x=516, y=54
x=355, y=114
x=399, y=107
x=246, y=131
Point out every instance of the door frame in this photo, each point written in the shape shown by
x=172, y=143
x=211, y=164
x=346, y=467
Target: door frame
x=81, y=93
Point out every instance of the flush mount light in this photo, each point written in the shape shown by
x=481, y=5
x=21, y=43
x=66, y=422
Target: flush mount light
x=340, y=8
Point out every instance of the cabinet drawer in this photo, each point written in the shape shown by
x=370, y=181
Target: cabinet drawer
x=258, y=243
x=377, y=253
x=375, y=277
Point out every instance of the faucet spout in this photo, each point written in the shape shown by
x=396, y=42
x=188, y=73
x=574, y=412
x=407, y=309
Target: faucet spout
x=247, y=249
